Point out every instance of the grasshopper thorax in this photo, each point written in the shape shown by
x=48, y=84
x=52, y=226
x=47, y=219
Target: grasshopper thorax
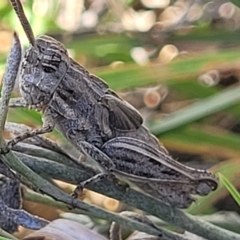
x=43, y=67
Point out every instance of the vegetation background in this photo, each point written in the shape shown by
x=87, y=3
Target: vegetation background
x=178, y=62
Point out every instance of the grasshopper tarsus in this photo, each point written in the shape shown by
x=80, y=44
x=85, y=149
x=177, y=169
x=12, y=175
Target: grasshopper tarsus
x=79, y=188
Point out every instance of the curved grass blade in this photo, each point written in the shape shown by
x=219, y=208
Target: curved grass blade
x=198, y=110
x=232, y=190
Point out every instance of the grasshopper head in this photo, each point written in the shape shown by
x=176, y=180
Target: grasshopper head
x=42, y=69
x=44, y=65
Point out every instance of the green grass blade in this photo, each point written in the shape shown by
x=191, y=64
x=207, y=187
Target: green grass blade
x=232, y=190
x=198, y=110
x=203, y=140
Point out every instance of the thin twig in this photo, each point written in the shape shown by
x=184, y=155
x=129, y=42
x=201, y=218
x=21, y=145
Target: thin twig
x=129, y=196
x=9, y=78
x=46, y=153
x=142, y=226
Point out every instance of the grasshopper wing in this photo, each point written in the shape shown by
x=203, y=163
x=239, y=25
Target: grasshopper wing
x=123, y=116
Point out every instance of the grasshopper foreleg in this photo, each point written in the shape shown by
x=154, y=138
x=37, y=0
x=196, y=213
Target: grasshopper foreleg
x=48, y=126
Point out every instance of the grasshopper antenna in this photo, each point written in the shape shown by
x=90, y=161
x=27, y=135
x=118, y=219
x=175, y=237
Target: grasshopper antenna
x=17, y=6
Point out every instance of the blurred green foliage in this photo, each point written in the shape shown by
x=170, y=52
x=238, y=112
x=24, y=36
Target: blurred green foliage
x=199, y=134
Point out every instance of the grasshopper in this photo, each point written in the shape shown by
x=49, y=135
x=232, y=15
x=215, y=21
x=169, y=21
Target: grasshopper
x=100, y=124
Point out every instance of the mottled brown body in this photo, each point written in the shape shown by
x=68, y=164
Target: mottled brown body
x=103, y=126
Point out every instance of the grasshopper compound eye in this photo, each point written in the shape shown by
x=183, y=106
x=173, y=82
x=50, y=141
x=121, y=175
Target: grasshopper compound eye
x=52, y=53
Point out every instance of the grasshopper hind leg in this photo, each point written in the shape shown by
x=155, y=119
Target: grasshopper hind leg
x=156, y=173
x=105, y=163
